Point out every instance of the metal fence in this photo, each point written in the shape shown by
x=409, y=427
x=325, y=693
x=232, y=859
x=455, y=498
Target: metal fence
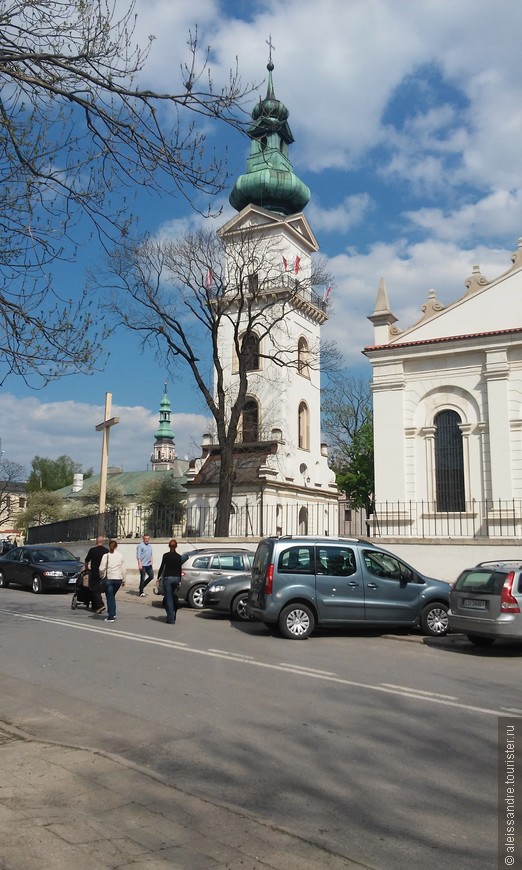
x=477, y=519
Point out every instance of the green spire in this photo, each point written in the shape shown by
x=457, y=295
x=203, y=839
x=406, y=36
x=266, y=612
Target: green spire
x=165, y=429
x=269, y=180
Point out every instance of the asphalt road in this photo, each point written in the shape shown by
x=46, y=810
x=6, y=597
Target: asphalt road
x=384, y=749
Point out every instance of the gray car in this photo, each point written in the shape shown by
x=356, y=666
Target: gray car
x=229, y=595
x=486, y=602
x=301, y=582
x=203, y=566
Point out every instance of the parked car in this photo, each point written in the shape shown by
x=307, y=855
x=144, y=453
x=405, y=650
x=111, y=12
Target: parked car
x=301, y=582
x=40, y=567
x=229, y=595
x=203, y=566
x=486, y=602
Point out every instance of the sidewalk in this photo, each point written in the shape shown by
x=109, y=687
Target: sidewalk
x=64, y=807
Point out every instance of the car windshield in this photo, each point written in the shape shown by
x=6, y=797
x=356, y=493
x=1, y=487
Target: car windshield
x=481, y=581
x=51, y=554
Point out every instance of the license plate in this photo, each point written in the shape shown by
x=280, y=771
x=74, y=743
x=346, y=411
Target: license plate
x=72, y=580
x=475, y=603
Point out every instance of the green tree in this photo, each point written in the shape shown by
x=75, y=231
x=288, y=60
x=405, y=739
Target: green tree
x=78, y=138
x=89, y=500
x=42, y=507
x=52, y=474
x=356, y=477
x=348, y=423
x=164, y=503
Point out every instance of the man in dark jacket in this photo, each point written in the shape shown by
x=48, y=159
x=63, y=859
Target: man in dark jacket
x=92, y=564
x=170, y=570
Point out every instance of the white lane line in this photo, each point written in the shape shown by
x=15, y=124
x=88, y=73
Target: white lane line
x=512, y=710
x=307, y=670
x=255, y=663
x=419, y=691
x=227, y=652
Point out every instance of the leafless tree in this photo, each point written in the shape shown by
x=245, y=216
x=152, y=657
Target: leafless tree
x=12, y=476
x=78, y=136
x=180, y=296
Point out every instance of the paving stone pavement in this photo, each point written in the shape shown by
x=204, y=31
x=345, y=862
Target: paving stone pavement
x=70, y=808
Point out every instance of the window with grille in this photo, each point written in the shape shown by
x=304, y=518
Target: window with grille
x=449, y=462
x=303, y=426
x=251, y=351
x=250, y=422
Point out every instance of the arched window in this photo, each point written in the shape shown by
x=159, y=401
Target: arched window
x=303, y=358
x=303, y=427
x=250, y=422
x=251, y=351
x=303, y=521
x=449, y=462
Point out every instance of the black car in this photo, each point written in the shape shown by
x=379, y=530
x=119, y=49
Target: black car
x=229, y=595
x=40, y=567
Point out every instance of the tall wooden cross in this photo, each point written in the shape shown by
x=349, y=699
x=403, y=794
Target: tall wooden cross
x=105, y=428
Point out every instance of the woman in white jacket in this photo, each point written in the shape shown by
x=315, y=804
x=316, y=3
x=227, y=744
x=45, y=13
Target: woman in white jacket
x=112, y=570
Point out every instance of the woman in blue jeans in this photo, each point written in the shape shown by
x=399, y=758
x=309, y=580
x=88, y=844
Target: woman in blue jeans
x=170, y=570
x=112, y=570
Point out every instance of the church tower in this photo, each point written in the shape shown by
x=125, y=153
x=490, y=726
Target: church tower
x=283, y=483
x=164, y=453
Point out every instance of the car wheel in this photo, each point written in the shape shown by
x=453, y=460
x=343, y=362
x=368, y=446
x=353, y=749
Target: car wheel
x=296, y=622
x=239, y=607
x=434, y=619
x=195, y=596
x=3, y=582
x=37, y=585
x=477, y=640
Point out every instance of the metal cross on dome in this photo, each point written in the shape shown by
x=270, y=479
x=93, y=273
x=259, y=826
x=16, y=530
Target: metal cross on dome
x=271, y=48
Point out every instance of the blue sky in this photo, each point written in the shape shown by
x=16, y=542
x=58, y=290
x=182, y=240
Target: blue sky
x=407, y=116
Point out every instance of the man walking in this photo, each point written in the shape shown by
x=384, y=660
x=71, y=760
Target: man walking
x=92, y=564
x=144, y=557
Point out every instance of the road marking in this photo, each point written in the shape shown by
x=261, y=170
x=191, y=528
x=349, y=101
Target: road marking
x=419, y=691
x=512, y=710
x=307, y=670
x=227, y=652
x=309, y=674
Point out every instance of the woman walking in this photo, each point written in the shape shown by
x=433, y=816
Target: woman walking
x=112, y=570
x=170, y=570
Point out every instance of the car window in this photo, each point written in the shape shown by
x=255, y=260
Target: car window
x=50, y=554
x=481, y=581
x=386, y=565
x=335, y=561
x=261, y=560
x=296, y=560
x=201, y=562
x=250, y=560
x=17, y=554
x=229, y=562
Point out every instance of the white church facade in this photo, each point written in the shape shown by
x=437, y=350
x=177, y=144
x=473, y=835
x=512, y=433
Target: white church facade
x=282, y=481
x=447, y=397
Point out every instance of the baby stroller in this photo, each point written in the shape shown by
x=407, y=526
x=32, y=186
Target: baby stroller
x=82, y=593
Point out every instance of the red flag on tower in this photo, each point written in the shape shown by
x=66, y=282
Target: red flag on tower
x=208, y=280
x=297, y=262
x=285, y=264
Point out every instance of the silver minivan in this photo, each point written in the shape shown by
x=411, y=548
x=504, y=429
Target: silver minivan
x=486, y=602
x=301, y=582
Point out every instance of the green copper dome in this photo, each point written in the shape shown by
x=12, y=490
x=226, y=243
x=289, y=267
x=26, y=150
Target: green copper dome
x=164, y=430
x=269, y=180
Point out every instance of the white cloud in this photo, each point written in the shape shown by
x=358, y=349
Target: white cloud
x=31, y=427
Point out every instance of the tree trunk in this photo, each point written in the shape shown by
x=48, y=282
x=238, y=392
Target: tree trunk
x=226, y=489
